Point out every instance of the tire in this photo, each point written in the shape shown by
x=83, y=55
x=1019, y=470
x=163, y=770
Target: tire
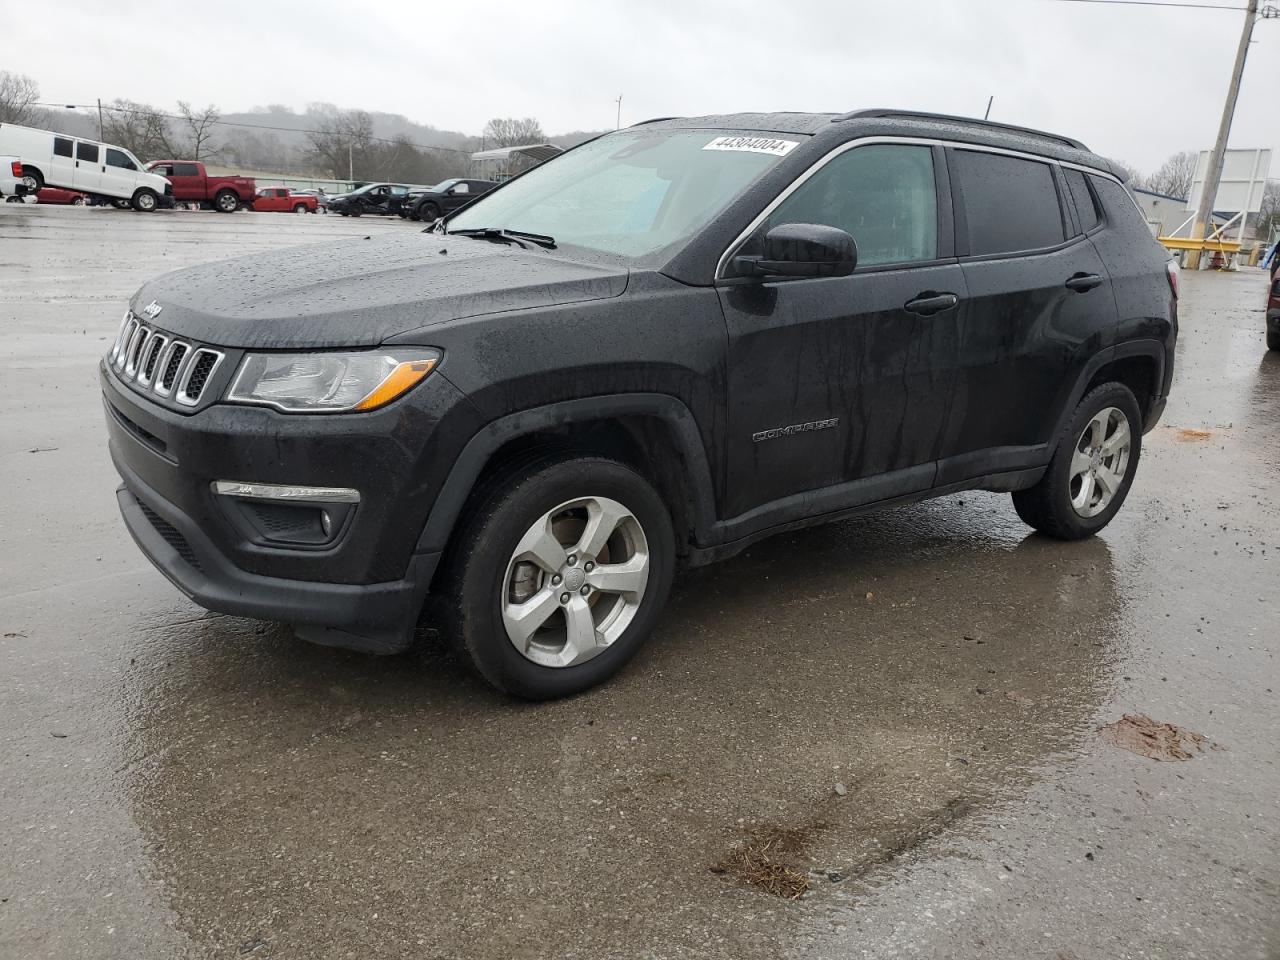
x=33, y=178
x=77, y=201
x=1048, y=506
x=121, y=204
x=1273, y=339
x=226, y=201
x=428, y=212
x=485, y=572
x=145, y=201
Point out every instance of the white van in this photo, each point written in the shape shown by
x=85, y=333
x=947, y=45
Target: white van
x=98, y=169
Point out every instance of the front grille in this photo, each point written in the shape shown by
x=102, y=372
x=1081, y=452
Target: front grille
x=170, y=534
x=153, y=362
x=200, y=370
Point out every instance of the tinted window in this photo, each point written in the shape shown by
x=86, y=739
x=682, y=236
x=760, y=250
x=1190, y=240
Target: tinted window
x=1010, y=204
x=1122, y=210
x=186, y=170
x=61, y=146
x=117, y=159
x=86, y=151
x=1085, y=208
x=883, y=196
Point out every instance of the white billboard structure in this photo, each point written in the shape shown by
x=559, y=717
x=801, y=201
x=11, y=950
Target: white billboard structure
x=1244, y=177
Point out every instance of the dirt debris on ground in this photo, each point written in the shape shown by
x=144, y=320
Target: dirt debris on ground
x=770, y=858
x=1138, y=733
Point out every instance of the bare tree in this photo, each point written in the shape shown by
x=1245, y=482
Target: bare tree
x=139, y=128
x=1174, y=177
x=510, y=132
x=199, y=124
x=1268, y=216
x=1130, y=173
x=18, y=96
x=341, y=139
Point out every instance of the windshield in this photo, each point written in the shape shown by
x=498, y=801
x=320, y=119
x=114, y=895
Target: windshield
x=631, y=193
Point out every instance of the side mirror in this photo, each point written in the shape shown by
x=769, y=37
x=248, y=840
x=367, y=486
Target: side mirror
x=803, y=250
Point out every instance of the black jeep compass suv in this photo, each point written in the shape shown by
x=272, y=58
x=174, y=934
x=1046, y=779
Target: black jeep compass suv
x=656, y=348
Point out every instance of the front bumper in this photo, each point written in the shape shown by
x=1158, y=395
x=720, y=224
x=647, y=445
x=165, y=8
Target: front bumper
x=362, y=588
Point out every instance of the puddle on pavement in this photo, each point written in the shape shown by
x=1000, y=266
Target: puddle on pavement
x=275, y=780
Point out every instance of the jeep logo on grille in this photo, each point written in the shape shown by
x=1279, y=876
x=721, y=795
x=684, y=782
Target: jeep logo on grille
x=152, y=310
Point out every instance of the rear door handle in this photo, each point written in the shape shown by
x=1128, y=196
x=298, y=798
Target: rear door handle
x=1081, y=282
x=929, y=303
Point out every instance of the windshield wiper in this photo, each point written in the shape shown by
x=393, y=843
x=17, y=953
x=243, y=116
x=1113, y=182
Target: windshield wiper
x=501, y=234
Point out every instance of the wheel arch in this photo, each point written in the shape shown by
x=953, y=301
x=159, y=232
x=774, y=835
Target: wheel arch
x=31, y=170
x=655, y=434
x=1135, y=363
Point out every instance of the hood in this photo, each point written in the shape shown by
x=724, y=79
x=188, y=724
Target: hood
x=363, y=292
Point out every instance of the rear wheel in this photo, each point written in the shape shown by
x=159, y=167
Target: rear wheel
x=145, y=201
x=226, y=201
x=300, y=208
x=1091, y=470
x=559, y=575
x=33, y=179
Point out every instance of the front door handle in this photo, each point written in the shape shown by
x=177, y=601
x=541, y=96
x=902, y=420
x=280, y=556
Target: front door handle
x=1082, y=282
x=929, y=303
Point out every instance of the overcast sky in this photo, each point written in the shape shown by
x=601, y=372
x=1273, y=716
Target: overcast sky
x=1135, y=83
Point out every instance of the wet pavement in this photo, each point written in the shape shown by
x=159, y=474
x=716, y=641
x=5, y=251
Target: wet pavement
x=901, y=711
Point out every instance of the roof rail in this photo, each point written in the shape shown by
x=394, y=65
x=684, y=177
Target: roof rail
x=969, y=121
x=655, y=120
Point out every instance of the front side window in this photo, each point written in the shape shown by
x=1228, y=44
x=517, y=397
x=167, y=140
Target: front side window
x=882, y=195
x=87, y=152
x=629, y=194
x=117, y=158
x=61, y=147
x=1010, y=203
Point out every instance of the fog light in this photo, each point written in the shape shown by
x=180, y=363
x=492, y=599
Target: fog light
x=281, y=491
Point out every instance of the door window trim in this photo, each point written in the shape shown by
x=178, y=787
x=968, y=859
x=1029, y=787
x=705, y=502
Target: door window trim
x=957, y=218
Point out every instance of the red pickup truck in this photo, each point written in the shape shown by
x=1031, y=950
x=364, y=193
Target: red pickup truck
x=284, y=200
x=191, y=182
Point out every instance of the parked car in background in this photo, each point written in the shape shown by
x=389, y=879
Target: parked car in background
x=446, y=197
x=58, y=195
x=1273, y=308
x=98, y=169
x=322, y=198
x=12, y=187
x=283, y=200
x=411, y=201
x=377, y=198
x=193, y=184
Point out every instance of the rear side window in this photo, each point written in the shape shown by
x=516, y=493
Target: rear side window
x=1122, y=210
x=882, y=195
x=1010, y=204
x=86, y=151
x=1086, y=210
x=185, y=170
x=61, y=147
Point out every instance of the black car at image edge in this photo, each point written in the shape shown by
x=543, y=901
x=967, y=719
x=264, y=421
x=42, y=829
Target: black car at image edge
x=646, y=353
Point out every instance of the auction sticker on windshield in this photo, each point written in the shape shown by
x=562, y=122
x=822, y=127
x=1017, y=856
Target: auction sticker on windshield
x=779, y=148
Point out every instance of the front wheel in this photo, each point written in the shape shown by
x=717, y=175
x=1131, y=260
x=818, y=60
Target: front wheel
x=145, y=201
x=1092, y=468
x=1273, y=339
x=300, y=208
x=559, y=576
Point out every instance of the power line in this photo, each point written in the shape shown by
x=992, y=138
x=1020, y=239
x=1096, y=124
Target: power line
x=1154, y=3
x=259, y=126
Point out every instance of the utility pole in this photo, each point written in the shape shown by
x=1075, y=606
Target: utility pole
x=618, y=124
x=1213, y=175
x=990, y=100
x=351, y=164
x=100, y=137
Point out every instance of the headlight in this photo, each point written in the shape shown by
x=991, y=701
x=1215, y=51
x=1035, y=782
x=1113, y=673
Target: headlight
x=330, y=382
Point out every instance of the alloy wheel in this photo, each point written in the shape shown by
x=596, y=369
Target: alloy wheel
x=575, y=581
x=1100, y=461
